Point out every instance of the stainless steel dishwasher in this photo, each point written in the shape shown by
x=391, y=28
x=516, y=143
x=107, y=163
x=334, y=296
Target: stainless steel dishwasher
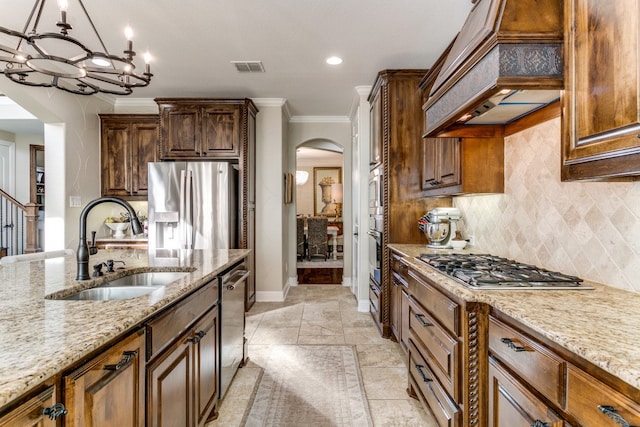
x=232, y=283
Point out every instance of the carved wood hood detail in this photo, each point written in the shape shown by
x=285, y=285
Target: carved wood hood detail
x=506, y=61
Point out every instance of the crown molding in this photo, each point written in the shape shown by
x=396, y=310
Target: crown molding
x=319, y=119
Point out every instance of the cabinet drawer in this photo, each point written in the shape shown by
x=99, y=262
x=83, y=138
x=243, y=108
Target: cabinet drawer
x=31, y=413
x=113, y=379
x=443, y=309
x=435, y=344
x=593, y=403
x=429, y=390
x=400, y=269
x=512, y=404
x=162, y=330
x=530, y=360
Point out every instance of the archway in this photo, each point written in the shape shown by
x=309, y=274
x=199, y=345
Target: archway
x=322, y=163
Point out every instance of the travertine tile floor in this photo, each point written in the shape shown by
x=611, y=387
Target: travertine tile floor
x=326, y=314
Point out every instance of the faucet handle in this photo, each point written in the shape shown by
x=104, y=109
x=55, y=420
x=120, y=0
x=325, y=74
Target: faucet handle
x=109, y=264
x=93, y=249
x=97, y=270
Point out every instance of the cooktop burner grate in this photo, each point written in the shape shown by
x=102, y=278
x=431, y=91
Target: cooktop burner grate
x=484, y=271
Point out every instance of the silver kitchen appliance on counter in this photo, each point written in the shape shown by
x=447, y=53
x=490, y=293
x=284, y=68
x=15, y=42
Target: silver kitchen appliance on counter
x=193, y=205
x=439, y=225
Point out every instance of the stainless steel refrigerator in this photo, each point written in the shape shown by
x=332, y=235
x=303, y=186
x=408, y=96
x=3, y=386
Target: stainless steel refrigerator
x=193, y=205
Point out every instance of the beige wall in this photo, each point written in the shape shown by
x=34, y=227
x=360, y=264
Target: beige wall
x=589, y=229
x=72, y=155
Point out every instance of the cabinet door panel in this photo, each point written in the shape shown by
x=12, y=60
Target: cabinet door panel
x=375, y=154
x=116, y=159
x=182, y=133
x=601, y=115
x=143, y=151
x=512, y=405
x=220, y=131
x=449, y=162
x=206, y=365
x=429, y=176
x=108, y=390
x=170, y=388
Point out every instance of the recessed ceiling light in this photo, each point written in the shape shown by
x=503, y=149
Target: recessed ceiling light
x=334, y=60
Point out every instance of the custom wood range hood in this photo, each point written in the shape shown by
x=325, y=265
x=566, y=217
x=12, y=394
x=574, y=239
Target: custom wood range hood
x=506, y=62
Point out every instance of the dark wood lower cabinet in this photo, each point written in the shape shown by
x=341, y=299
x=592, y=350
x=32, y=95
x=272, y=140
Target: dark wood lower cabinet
x=183, y=379
x=109, y=389
x=170, y=388
x=512, y=405
x=205, y=366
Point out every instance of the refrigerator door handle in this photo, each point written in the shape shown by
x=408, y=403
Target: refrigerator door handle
x=189, y=212
x=182, y=225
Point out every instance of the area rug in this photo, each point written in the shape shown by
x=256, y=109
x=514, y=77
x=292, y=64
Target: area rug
x=310, y=385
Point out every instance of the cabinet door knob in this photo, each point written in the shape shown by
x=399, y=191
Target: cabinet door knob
x=611, y=412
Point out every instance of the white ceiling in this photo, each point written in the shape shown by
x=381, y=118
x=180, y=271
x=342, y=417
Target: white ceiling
x=194, y=41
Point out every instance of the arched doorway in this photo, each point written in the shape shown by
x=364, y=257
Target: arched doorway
x=319, y=193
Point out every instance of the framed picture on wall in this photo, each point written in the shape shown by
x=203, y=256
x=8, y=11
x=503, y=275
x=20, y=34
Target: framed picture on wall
x=323, y=179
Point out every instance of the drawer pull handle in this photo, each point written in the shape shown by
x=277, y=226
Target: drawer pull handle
x=423, y=322
x=197, y=337
x=538, y=423
x=611, y=412
x=512, y=345
x=127, y=357
x=421, y=372
x=56, y=411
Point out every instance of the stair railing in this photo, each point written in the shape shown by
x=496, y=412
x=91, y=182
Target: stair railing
x=18, y=227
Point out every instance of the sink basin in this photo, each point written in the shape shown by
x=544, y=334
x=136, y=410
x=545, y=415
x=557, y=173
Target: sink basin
x=112, y=293
x=153, y=278
x=126, y=287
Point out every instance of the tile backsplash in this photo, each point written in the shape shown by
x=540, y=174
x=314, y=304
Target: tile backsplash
x=588, y=229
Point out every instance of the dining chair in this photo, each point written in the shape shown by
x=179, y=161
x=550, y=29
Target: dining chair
x=301, y=247
x=317, y=237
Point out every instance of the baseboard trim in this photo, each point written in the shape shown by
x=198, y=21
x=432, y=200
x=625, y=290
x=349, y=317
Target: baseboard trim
x=273, y=296
x=363, y=306
x=346, y=281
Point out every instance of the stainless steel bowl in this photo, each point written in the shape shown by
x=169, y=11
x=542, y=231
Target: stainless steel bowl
x=437, y=233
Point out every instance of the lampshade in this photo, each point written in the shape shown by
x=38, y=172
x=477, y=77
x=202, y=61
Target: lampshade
x=301, y=177
x=336, y=193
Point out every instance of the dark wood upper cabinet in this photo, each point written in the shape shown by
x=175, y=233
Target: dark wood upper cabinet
x=194, y=128
x=601, y=112
x=128, y=143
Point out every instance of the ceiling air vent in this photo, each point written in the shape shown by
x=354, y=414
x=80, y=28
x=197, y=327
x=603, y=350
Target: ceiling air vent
x=249, y=66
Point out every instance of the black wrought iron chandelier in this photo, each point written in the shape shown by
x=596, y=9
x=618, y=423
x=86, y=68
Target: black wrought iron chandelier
x=58, y=60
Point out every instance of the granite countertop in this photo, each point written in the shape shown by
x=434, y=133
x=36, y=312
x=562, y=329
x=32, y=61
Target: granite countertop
x=601, y=325
x=42, y=337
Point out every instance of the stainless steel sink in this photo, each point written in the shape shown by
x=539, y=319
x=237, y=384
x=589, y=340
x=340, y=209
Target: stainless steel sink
x=152, y=278
x=112, y=293
x=126, y=287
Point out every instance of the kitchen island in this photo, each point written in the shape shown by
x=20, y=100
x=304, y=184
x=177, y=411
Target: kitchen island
x=561, y=350
x=42, y=337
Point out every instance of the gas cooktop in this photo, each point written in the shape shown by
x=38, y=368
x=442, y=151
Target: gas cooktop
x=483, y=271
